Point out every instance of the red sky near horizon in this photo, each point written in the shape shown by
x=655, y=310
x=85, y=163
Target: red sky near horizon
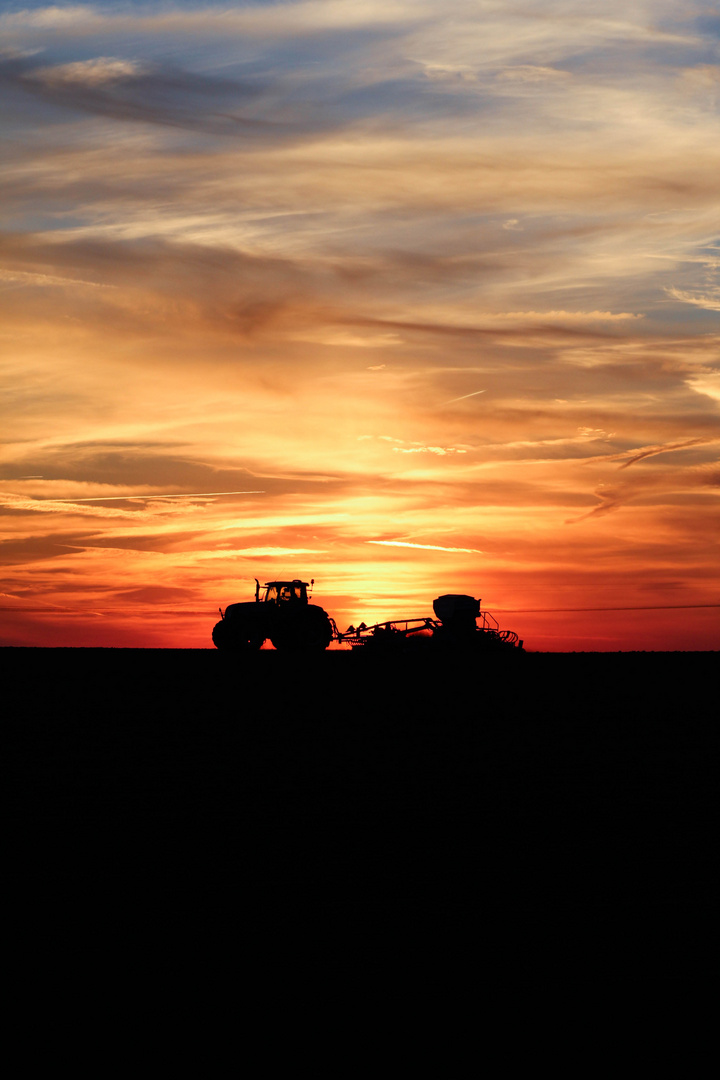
x=410, y=298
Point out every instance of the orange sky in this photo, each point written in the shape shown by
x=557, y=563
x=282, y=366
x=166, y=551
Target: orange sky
x=432, y=289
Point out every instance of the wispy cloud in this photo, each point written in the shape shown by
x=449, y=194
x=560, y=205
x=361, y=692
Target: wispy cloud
x=426, y=547
x=709, y=301
x=151, y=496
x=22, y=504
x=269, y=551
x=26, y=277
x=125, y=90
x=94, y=72
x=439, y=451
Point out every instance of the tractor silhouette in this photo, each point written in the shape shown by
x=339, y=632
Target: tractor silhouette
x=280, y=612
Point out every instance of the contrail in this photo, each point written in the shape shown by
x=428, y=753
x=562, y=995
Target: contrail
x=650, y=451
x=429, y=547
x=193, y=495
x=463, y=396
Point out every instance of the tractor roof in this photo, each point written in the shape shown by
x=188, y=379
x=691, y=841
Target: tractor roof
x=295, y=581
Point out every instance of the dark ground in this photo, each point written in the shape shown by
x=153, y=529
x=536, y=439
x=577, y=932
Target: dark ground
x=188, y=780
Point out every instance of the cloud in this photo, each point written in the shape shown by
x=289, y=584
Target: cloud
x=439, y=451
x=26, y=277
x=426, y=547
x=128, y=90
x=564, y=316
x=707, y=383
x=22, y=504
x=531, y=73
x=260, y=552
x=710, y=301
x=93, y=73
x=214, y=22
x=150, y=497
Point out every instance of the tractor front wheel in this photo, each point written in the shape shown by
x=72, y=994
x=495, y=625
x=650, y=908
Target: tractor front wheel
x=307, y=631
x=230, y=639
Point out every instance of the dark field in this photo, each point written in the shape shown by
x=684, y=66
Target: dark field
x=537, y=780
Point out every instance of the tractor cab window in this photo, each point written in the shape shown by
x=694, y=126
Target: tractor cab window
x=283, y=592
x=293, y=590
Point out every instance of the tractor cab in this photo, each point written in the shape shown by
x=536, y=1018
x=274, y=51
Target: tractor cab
x=282, y=592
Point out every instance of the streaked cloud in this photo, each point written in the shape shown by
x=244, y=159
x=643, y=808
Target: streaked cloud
x=710, y=301
x=149, y=497
x=95, y=72
x=707, y=383
x=25, y=277
x=426, y=547
x=267, y=552
x=440, y=451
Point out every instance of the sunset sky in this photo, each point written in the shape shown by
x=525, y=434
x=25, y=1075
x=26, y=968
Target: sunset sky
x=410, y=297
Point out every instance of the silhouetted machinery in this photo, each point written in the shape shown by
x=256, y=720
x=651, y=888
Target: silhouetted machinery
x=460, y=624
x=282, y=613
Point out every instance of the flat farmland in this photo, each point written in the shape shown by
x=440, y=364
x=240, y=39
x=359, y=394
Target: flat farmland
x=532, y=780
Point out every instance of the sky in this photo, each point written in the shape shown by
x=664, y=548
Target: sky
x=407, y=297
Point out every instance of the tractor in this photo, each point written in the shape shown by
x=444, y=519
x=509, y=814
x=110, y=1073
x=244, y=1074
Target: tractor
x=282, y=613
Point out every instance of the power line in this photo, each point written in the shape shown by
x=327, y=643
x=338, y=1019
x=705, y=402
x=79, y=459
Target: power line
x=646, y=607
